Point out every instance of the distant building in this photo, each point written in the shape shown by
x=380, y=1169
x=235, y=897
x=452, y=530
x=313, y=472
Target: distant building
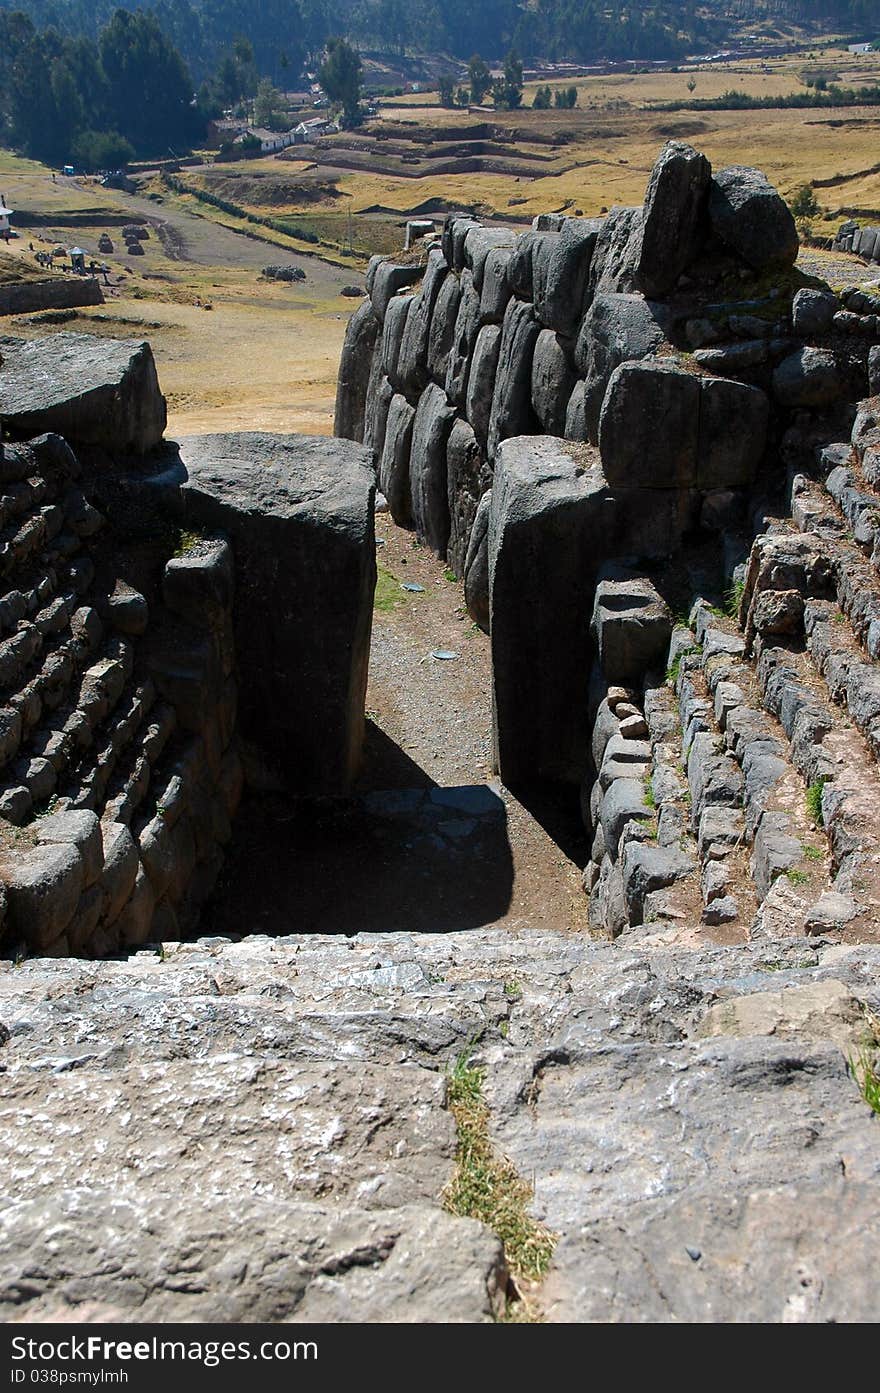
x=861, y=48
x=5, y=215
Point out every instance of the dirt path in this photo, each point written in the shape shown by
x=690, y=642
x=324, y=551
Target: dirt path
x=431, y=842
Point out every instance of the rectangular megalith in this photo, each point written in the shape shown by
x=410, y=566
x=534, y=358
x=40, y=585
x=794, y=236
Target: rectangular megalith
x=545, y=523
x=91, y=390
x=298, y=511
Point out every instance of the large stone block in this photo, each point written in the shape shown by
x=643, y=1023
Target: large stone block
x=394, y=464
x=468, y=478
x=392, y=337
x=43, y=887
x=355, y=366
x=412, y=363
x=617, y=329
x=476, y=566
x=467, y=326
x=511, y=412
x=632, y=626
x=675, y=219
x=481, y=381
x=427, y=467
x=560, y=291
x=91, y=390
x=298, y=511
x=649, y=426
x=496, y=285
x=732, y=434
x=388, y=279
x=616, y=254
x=442, y=331
x=552, y=382
x=750, y=217
x=544, y=526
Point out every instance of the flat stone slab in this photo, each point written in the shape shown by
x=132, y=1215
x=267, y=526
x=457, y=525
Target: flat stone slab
x=90, y=389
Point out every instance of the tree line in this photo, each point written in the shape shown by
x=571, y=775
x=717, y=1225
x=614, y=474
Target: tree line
x=284, y=33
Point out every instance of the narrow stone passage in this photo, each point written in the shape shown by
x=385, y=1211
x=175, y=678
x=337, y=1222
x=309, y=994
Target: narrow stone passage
x=430, y=842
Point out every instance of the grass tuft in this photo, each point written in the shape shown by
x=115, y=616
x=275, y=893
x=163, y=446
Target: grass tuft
x=812, y=853
x=733, y=599
x=814, y=800
x=866, y=1072
x=487, y=1187
x=797, y=877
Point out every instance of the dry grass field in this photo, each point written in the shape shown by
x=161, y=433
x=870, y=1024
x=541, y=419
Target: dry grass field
x=237, y=351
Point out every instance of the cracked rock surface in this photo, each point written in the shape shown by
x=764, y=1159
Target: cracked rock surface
x=256, y=1129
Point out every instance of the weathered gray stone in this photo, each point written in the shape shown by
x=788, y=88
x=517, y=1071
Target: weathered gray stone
x=496, y=285
x=355, y=365
x=467, y=480
x=750, y=217
x=476, y=566
x=632, y=625
x=648, y=428
x=479, y=242
x=622, y=802
x=809, y=377
x=429, y=501
x=481, y=381
x=778, y=612
x=561, y=287
x=531, y=247
x=831, y=913
x=467, y=326
x=412, y=363
x=732, y=434
x=812, y=311
x=376, y=416
x=647, y=867
x=616, y=254
x=89, y=389
x=552, y=382
x=675, y=221
x=442, y=331
x=120, y=870
x=79, y=829
x=299, y=513
x=511, y=412
x=776, y=851
x=388, y=279
x=392, y=337
x=43, y=886
x=394, y=464
x=617, y=329
x=576, y=412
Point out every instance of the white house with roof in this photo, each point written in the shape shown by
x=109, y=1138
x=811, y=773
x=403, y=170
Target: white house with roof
x=5, y=215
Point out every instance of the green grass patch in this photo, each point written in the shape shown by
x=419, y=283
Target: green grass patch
x=797, y=877
x=388, y=593
x=814, y=800
x=813, y=853
x=674, y=668
x=487, y=1186
x=733, y=599
x=450, y=574
x=648, y=787
x=866, y=1073
x=512, y=989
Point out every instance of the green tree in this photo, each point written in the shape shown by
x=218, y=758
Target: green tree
x=447, y=90
x=507, y=90
x=268, y=104
x=480, y=78
x=340, y=77
x=542, y=99
x=463, y=96
x=94, y=150
x=803, y=203
x=150, y=92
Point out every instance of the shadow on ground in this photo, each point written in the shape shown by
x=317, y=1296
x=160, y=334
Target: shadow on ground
x=406, y=855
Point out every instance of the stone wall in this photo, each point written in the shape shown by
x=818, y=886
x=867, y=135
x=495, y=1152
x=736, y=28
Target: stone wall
x=666, y=355
x=171, y=618
x=57, y=293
